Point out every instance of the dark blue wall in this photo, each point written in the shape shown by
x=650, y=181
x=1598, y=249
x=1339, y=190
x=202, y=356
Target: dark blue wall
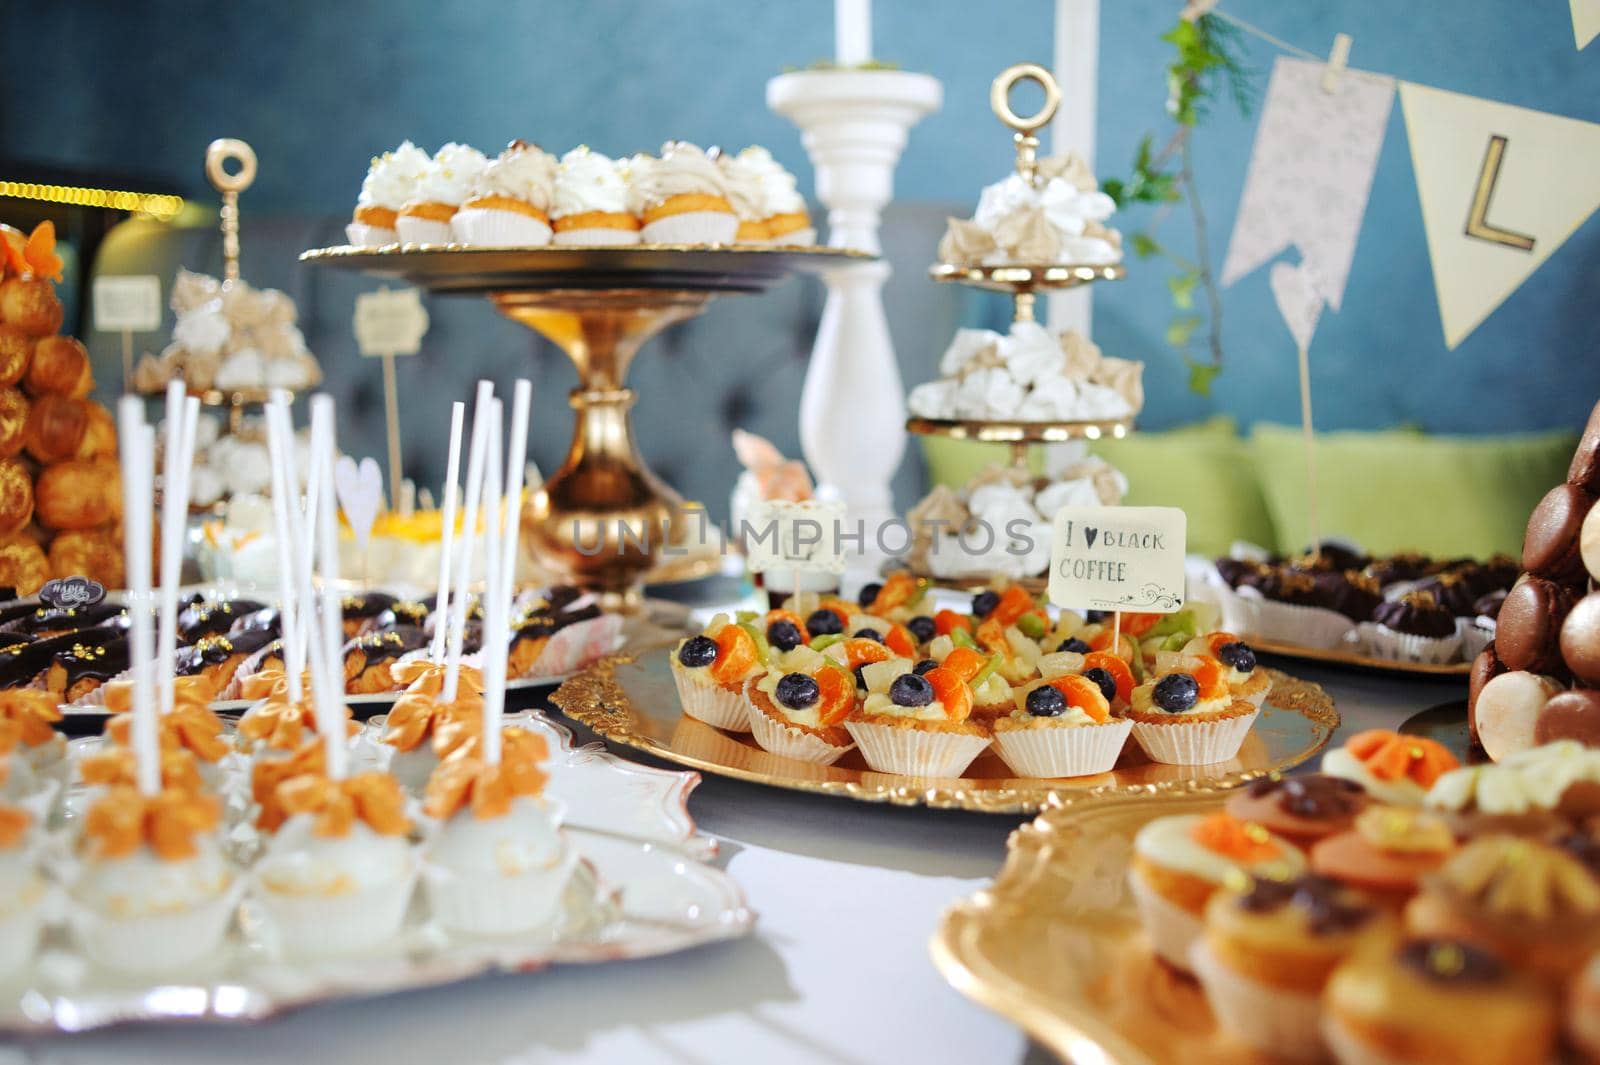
x=318, y=87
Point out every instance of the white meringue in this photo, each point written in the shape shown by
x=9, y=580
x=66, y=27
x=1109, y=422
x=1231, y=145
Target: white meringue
x=1031, y=353
x=966, y=345
x=934, y=399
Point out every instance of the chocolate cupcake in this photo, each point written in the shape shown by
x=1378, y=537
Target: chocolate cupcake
x=1350, y=592
x=1415, y=628
x=1453, y=592
x=1407, y=566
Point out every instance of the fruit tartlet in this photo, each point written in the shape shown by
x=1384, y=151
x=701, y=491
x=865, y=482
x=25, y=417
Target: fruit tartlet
x=155, y=891
x=337, y=875
x=1061, y=727
x=992, y=694
x=1435, y=1002
x=499, y=863
x=901, y=597
x=1180, y=862
x=1386, y=852
x=798, y=710
x=1189, y=716
x=1393, y=769
x=22, y=889
x=1534, y=790
x=710, y=671
x=1302, y=809
x=1270, y=948
x=1537, y=905
x=916, y=724
x=1239, y=661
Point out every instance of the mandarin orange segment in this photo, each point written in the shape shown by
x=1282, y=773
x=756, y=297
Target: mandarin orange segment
x=952, y=693
x=898, y=590
x=901, y=642
x=1218, y=640
x=783, y=615
x=965, y=662
x=1208, y=673
x=947, y=621
x=1014, y=602
x=736, y=655
x=1136, y=625
x=837, y=695
x=1084, y=694
x=838, y=606
x=861, y=652
x=1124, y=650
x=1233, y=837
x=1116, y=667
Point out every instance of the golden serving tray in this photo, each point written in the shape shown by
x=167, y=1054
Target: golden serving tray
x=1013, y=432
x=1339, y=657
x=1055, y=944
x=631, y=699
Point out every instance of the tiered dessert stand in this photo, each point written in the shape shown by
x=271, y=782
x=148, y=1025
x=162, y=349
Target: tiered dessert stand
x=1023, y=281
x=602, y=521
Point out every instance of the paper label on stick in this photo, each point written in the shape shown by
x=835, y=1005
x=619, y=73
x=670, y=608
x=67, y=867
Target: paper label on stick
x=72, y=593
x=803, y=537
x=1118, y=558
x=127, y=304
x=390, y=322
x=360, y=492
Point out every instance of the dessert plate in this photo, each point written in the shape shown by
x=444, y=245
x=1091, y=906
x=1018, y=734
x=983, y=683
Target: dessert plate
x=1055, y=944
x=631, y=699
x=644, y=887
x=1339, y=656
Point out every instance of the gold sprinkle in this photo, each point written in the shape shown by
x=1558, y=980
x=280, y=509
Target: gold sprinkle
x=1255, y=833
x=1446, y=959
x=1415, y=753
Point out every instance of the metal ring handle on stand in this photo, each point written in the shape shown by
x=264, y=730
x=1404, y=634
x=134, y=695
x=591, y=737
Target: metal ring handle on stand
x=1025, y=128
x=218, y=153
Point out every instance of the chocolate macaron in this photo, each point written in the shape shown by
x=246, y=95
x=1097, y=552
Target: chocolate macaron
x=1530, y=621
x=1508, y=712
x=1485, y=668
x=1550, y=547
x=1585, y=469
x=1589, y=543
x=1571, y=715
x=1580, y=639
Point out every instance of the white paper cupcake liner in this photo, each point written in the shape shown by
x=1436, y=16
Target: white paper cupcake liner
x=711, y=703
x=692, y=227
x=19, y=932
x=1247, y=611
x=494, y=227
x=492, y=905
x=1172, y=929
x=413, y=230
x=1476, y=634
x=1405, y=647
x=1280, y=1021
x=598, y=235
x=788, y=741
x=800, y=238
x=163, y=942
x=364, y=236
x=1064, y=751
x=915, y=752
x=1194, y=742
x=311, y=926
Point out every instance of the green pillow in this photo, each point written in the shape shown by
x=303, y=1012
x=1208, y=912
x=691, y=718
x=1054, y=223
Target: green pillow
x=1398, y=490
x=1203, y=468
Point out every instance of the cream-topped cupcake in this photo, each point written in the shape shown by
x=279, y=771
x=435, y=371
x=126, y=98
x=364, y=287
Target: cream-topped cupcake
x=746, y=194
x=510, y=202
x=391, y=182
x=445, y=184
x=590, y=204
x=685, y=198
x=783, y=209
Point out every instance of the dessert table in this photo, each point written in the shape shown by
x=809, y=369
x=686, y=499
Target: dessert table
x=847, y=895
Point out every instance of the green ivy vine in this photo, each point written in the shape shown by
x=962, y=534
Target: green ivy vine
x=1207, y=64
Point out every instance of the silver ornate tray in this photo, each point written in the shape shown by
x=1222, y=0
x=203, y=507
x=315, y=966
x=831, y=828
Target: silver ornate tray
x=642, y=888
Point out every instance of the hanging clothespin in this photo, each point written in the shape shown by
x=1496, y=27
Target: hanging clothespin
x=1338, y=60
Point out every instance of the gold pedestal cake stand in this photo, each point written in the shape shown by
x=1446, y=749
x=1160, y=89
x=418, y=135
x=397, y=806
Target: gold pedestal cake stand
x=602, y=521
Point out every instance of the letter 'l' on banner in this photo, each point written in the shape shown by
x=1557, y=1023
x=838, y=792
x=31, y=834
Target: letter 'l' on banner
x=1501, y=188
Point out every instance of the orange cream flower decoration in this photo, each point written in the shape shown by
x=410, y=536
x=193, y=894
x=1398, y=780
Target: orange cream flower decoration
x=271, y=683
x=169, y=821
x=1243, y=841
x=310, y=758
x=415, y=716
x=275, y=721
x=1391, y=756
x=193, y=728
x=186, y=691
x=467, y=779
x=10, y=735
x=33, y=711
x=336, y=804
x=14, y=822
x=426, y=677
x=118, y=767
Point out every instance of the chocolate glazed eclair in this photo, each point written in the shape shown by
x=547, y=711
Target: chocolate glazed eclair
x=369, y=659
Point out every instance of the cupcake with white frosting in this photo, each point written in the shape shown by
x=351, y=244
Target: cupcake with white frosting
x=444, y=186
x=510, y=202
x=590, y=203
x=391, y=181
x=778, y=212
x=685, y=198
x=748, y=198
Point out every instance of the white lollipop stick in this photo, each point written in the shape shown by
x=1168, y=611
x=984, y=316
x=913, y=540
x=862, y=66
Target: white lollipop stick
x=447, y=534
x=278, y=443
x=509, y=521
x=469, y=533
x=182, y=414
x=495, y=636
x=330, y=701
x=138, y=471
x=516, y=464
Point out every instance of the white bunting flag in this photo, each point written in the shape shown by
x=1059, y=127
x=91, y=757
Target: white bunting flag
x=1585, y=21
x=1298, y=300
x=1501, y=188
x=1310, y=173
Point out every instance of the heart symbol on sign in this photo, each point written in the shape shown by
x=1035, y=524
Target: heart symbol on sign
x=1089, y=533
x=360, y=492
